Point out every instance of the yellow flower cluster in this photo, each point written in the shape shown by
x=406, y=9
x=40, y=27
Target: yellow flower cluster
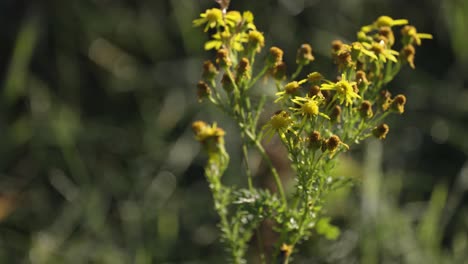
x=319, y=117
x=353, y=102
x=233, y=30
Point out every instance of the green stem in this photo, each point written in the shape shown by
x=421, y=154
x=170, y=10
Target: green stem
x=246, y=161
x=258, y=111
x=276, y=176
x=259, y=75
x=297, y=72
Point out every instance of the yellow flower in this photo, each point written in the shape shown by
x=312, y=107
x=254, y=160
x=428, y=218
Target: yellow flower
x=233, y=18
x=218, y=40
x=204, y=131
x=235, y=41
x=308, y=106
x=359, y=49
x=384, y=21
x=280, y=122
x=413, y=35
x=344, y=90
x=289, y=89
x=212, y=17
x=211, y=137
x=248, y=18
x=286, y=249
x=314, y=77
x=255, y=40
x=379, y=48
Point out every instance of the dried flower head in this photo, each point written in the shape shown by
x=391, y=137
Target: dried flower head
x=365, y=110
x=315, y=140
x=398, y=104
x=384, y=100
x=333, y=142
x=411, y=35
x=407, y=55
x=381, y=131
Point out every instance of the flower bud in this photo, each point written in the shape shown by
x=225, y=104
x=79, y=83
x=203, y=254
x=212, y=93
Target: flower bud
x=361, y=77
x=211, y=137
x=304, y=55
x=209, y=71
x=243, y=69
x=314, y=77
x=279, y=71
x=361, y=80
x=291, y=87
x=384, y=21
x=326, y=94
x=362, y=37
x=275, y=56
x=255, y=41
x=280, y=120
x=335, y=115
x=227, y=83
x=222, y=58
x=198, y=126
x=314, y=90
x=408, y=31
x=203, y=90
x=315, y=140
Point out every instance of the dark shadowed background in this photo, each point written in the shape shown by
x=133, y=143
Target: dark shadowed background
x=98, y=163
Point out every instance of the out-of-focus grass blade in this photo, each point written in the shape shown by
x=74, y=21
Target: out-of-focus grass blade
x=16, y=78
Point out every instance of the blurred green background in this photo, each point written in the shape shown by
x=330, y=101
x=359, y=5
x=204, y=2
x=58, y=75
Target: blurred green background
x=98, y=163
